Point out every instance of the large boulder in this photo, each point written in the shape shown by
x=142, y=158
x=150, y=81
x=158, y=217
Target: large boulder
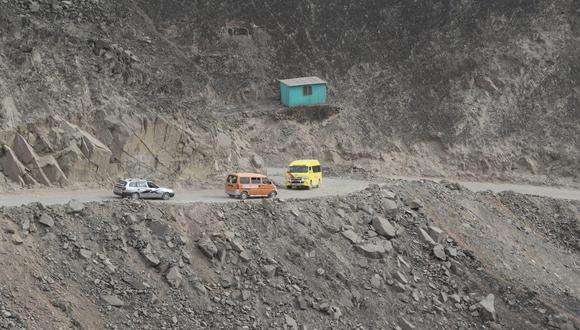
x=13, y=168
x=23, y=150
x=53, y=171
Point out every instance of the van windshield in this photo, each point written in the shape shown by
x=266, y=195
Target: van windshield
x=298, y=169
x=232, y=179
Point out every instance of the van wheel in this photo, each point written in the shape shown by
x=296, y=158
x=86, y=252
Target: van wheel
x=165, y=196
x=318, y=184
x=310, y=186
x=244, y=195
x=288, y=187
x=135, y=196
x=273, y=194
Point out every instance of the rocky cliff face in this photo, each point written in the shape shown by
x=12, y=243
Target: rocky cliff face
x=431, y=87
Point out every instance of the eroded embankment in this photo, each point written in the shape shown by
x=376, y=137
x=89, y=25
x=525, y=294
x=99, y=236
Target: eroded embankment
x=367, y=260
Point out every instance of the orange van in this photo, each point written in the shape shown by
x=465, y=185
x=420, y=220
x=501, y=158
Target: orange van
x=244, y=185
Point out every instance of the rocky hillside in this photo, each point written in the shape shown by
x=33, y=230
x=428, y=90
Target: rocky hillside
x=376, y=259
x=183, y=90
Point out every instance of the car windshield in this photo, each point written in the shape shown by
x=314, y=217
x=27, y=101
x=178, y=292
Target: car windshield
x=298, y=169
x=152, y=185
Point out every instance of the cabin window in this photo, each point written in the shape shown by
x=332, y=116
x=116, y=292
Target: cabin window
x=307, y=90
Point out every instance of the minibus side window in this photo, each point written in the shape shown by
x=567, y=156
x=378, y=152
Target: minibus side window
x=244, y=180
x=256, y=181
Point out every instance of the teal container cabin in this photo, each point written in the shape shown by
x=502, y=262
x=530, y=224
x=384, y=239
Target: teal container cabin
x=302, y=91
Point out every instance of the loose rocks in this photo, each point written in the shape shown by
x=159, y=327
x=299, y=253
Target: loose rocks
x=46, y=220
x=207, y=247
x=174, y=277
x=352, y=236
x=488, y=308
x=384, y=227
x=113, y=300
x=439, y=252
x=74, y=206
x=371, y=250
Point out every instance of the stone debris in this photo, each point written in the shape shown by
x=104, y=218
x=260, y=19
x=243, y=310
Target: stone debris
x=390, y=205
x=74, y=207
x=400, y=277
x=147, y=253
x=236, y=267
x=46, y=220
x=85, y=254
x=426, y=237
x=439, y=252
x=384, y=227
x=208, y=247
x=374, y=251
x=488, y=308
x=414, y=204
x=376, y=281
x=113, y=300
x=437, y=234
x=17, y=239
x=269, y=270
x=405, y=325
x=174, y=277
x=290, y=323
x=352, y=236
x=237, y=245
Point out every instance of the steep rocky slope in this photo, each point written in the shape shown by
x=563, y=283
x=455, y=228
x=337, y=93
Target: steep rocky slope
x=370, y=260
x=431, y=87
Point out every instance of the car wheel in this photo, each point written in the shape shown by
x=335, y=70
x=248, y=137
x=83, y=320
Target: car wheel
x=165, y=196
x=244, y=195
x=273, y=194
x=135, y=196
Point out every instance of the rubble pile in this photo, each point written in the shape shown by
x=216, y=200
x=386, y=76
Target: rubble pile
x=364, y=261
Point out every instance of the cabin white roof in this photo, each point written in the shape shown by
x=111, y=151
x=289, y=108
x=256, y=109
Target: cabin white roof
x=302, y=81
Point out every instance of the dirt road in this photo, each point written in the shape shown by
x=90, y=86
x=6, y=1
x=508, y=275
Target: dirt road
x=330, y=187
x=526, y=189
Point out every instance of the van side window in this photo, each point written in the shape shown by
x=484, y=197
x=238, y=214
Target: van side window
x=256, y=180
x=316, y=169
x=266, y=181
x=244, y=180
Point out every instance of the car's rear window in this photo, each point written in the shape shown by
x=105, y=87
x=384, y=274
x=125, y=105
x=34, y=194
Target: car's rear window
x=244, y=180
